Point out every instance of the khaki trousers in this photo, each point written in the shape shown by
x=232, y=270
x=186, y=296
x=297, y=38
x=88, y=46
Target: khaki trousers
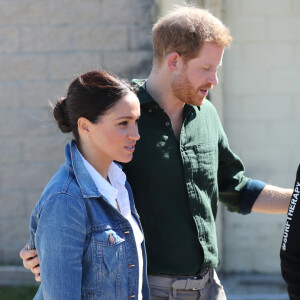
x=186, y=288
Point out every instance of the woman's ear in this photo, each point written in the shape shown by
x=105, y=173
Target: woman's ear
x=84, y=126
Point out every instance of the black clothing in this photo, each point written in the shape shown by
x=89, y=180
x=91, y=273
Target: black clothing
x=290, y=248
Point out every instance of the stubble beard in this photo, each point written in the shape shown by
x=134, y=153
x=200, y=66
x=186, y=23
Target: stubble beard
x=184, y=91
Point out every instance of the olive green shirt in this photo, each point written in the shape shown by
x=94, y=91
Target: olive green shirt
x=177, y=185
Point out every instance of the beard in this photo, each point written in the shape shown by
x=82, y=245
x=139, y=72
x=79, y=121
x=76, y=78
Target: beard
x=184, y=90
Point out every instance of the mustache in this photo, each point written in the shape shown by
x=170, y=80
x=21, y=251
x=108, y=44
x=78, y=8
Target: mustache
x=206, y=87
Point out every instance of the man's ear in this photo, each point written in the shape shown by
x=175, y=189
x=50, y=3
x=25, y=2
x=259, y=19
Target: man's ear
x=174, y=60
x=84, y=126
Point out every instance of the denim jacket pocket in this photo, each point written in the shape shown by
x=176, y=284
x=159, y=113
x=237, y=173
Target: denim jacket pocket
x=110, y=251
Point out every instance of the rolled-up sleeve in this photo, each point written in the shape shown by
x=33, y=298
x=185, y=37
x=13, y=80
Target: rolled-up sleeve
x=249, y=194
x=236, y=191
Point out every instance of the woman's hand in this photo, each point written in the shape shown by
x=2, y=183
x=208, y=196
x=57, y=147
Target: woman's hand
x=31, y=261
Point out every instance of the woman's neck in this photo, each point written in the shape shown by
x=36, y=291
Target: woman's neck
x=100, y=165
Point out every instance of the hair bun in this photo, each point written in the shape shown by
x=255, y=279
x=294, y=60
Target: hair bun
x=61, y=116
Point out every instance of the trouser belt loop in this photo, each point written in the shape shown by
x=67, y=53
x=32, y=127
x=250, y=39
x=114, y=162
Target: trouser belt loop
x=211, y=275
x=189, y=284
x=174, y=292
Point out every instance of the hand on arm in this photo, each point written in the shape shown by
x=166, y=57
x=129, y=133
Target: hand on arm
x=31, y=261
x=273, y=200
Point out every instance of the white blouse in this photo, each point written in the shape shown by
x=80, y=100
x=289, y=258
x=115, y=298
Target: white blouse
x=116, y=190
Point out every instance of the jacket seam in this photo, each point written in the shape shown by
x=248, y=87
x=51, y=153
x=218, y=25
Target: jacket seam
x=37, y=213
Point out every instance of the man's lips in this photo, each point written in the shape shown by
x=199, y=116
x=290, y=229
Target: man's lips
x=204, y=92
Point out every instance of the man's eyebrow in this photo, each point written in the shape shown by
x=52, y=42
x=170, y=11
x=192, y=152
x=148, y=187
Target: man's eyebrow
x=211, y=65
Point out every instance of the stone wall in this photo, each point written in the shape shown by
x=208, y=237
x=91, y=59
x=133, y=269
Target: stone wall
x=43, y=46
x=262, y=118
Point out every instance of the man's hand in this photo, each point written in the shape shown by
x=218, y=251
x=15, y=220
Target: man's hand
x=31, y=261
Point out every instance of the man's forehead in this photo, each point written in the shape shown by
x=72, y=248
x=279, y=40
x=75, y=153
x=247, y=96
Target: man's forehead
x=210, y=54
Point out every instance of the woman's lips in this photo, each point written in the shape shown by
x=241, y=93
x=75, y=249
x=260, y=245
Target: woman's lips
x=130, y=148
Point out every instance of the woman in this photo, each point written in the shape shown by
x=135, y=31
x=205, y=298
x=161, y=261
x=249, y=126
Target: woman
x=85, y=228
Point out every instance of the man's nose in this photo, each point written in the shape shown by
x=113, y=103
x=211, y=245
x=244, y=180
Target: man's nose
x=213, y=79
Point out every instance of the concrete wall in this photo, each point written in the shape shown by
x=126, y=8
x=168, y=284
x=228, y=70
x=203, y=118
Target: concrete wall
x=262, y=118
x=43, y=46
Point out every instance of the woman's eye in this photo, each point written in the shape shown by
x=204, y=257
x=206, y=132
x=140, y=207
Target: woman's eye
x=123, y=123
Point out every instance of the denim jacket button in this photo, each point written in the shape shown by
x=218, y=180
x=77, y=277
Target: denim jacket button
x=111, y=238
x=126, y=232
x=131, y=266
x=133, y=296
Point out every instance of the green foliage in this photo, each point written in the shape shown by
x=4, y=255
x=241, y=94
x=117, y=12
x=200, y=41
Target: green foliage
x=17, y=292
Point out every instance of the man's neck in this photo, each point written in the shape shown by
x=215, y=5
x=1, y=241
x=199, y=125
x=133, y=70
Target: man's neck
x=160, y=90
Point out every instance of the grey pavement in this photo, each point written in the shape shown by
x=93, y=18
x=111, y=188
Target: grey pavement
x=253, y=286
x=238, y=286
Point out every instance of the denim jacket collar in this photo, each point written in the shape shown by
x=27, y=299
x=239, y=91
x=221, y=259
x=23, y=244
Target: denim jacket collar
x=75, y=165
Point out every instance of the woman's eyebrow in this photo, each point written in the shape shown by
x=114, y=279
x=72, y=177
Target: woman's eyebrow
x=125, y=117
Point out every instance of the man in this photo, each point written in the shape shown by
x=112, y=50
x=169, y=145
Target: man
x=183, y=163
x=290, y=247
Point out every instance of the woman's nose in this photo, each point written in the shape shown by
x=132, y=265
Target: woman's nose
x=135, y=134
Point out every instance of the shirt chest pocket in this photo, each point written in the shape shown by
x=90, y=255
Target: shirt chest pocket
x=109, y=251
x=204, y=162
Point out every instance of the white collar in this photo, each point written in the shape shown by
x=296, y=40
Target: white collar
x=108, y=190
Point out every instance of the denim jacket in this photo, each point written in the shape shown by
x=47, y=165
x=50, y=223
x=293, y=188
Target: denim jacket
x=86, y=248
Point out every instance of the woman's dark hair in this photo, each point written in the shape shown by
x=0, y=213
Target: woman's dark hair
x=90, y=96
